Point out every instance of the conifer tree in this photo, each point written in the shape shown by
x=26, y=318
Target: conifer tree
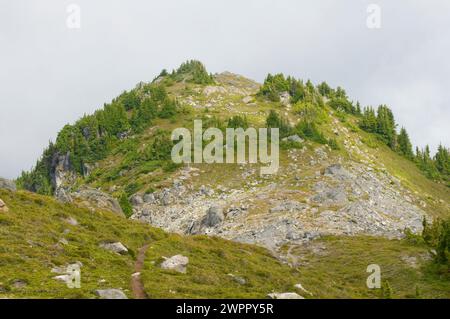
x=442, y=160
x=369, y=120
x=386, y=125
x=404, y=144
x=358, y=108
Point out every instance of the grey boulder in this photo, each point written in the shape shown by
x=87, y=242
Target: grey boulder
x=177, y=263
x=285, y=295
x=111, y=294
x=118, y=248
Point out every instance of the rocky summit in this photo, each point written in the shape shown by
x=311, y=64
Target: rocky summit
x=349, y=192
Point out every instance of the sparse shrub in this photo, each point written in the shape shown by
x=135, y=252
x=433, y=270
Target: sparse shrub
x=333, y=144
x=131, y=188
x=125, y=205
x=161, y=147
x=386, y=290
x=310, y=131
x=273, y=120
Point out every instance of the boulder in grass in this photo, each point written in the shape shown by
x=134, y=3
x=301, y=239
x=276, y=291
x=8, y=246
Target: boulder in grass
x=285, y=295
x=111, y=294
x=177, y=263
x=118, y=248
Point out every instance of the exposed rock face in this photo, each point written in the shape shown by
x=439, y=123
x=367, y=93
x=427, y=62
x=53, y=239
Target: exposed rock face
x=285, y=295
x=117, y=248
x=213, y=217
x=93, y=198
x=149, y=198
x=136, y=200
x=327, y=195
x=177, y=263
x=111, y=294
x=62, y=195
x=343, y=200
x=285, y=98
x=61, y=173
x=338, y=172
x=7, y=184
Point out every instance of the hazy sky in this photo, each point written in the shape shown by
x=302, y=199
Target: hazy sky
x=51, y=75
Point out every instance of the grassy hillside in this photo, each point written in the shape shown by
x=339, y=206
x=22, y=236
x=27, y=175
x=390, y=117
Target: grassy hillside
x=30, y=246
x=30, y=241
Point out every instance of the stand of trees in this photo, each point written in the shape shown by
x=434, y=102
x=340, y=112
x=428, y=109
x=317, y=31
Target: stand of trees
x=381, y=122
x=192, y=71
x=92, y=137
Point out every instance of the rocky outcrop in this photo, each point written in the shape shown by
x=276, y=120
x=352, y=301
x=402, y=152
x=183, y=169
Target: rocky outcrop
x=214, y=216
x=117, y=248
x=7, y=184
x=177, y=263
x=63, y=195
x=136, y=200
x=95, y=199
x=61, y=173
x=111, y=294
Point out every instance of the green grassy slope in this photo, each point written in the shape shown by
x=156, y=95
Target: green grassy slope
x=331, y=268
x=29, y=249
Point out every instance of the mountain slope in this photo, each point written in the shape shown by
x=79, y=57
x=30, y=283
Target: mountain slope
x=341, y=190
x=32, y=233
x=38, y=236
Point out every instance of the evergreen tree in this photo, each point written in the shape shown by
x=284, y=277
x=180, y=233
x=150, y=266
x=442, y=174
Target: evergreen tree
x=358, y=108
x=273, y=120
x=168, y=109
x=238, y=122
x=325, y=89
x=404, y=144
x=386, y=125
x=442, y=160
x=369, y=120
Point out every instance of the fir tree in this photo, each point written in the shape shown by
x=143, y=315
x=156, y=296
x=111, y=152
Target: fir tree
x=386, y=125
x=442, y=160
x=404, y=144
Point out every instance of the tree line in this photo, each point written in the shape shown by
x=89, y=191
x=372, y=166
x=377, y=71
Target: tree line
x=309, y=101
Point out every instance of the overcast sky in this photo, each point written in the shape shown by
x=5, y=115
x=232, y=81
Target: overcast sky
x=51, y=75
